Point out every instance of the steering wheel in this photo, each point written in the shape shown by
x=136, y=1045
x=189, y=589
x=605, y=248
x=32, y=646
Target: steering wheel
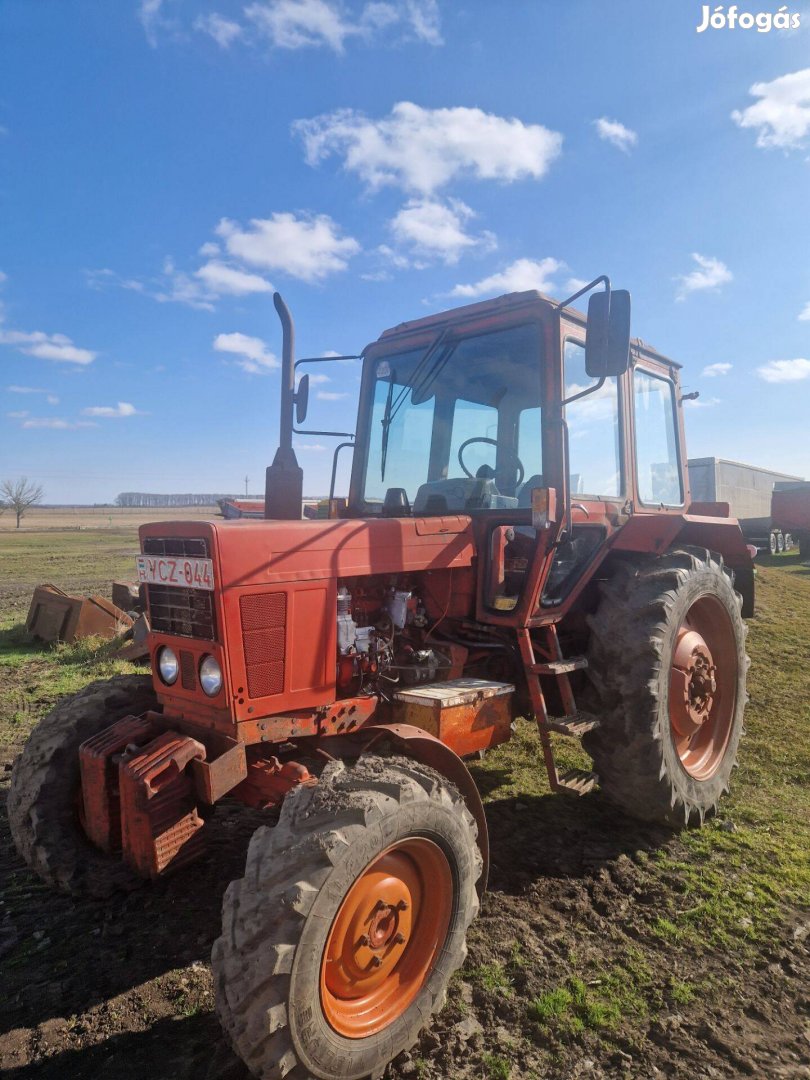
x=521, y=472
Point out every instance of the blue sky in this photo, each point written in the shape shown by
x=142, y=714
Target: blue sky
x=165, y=164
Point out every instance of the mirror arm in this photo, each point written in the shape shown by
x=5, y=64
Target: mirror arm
x=586, y=288
x=335, y=456
x=584, y=393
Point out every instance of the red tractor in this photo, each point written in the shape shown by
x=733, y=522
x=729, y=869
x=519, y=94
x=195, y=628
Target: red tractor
x=518, y=540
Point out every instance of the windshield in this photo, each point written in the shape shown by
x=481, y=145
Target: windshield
x=456, y=427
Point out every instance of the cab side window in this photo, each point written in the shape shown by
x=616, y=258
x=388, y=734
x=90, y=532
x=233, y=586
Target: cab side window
x=593, y=429
x=658, y=468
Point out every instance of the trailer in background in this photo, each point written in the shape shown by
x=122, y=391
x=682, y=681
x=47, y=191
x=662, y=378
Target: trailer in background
x=748, y=490
x=790, y=512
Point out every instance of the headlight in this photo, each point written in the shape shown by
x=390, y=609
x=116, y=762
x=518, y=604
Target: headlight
x=168, y=665
x=210, y=676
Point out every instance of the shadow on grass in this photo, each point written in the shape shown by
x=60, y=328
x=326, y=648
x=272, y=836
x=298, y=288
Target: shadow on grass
x=70, y=953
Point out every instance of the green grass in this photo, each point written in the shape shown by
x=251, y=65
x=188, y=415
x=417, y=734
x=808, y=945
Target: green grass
x=496, y=1067
x=492, y=977
x=34, y=675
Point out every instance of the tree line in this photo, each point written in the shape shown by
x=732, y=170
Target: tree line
x=144, y=498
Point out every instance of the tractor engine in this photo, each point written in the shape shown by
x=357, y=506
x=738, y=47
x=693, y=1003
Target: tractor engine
x=381, y=640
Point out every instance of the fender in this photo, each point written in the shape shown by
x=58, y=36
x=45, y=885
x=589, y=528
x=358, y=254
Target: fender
x=659, y=533
x=419, y=744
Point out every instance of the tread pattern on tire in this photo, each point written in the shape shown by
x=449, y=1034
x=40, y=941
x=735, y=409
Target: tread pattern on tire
x=628, y=669
x=287, y=865
x=44, y=781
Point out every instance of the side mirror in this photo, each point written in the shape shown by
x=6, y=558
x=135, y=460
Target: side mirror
x=607, y=341
x=301, y=399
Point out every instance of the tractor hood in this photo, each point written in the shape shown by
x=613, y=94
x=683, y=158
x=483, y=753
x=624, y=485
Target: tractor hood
x=250, y=553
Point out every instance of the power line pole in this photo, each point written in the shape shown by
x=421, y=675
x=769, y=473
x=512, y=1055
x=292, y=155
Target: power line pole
x=246, y=487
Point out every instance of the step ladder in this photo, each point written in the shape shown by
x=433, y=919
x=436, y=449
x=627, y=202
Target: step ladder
x=574, y=723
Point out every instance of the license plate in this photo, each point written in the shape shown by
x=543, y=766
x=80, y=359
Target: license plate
x=167, y=570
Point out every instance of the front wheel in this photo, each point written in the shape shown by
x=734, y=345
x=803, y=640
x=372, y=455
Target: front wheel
x=43, y=803
x=341, y=938
x=668, y=661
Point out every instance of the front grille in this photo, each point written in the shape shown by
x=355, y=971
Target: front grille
x=188, y=670
x=172, y=608
x=264, y=630
x=176, y=545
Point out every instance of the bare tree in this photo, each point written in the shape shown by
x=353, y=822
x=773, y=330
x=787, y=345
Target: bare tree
x=19, y=496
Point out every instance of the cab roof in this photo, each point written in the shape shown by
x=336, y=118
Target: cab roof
x=502, y=305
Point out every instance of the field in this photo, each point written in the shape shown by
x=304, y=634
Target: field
x=604, y=948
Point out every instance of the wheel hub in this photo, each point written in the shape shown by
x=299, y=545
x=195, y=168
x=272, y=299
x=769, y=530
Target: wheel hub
x=693, y=683
x=385, y=937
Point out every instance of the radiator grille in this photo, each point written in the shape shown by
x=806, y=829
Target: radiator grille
x=177, y=610
x=188, y=670
x=264, y=626
x=176, y=545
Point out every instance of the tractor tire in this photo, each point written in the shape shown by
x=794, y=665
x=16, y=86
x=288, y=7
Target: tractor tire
x=385, y=846
x=804, y=546
x=43, y=799
x=667, y=661
x=780, y=542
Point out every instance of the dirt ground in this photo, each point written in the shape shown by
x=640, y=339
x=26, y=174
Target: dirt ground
x=604, y=948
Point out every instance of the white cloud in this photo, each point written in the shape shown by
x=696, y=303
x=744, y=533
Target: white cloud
x=436, y=230
x=100, y=279
x=3, y=278
x=781, y=116
x=209, y=250
x=57, y=424
x=19, y=414
x=150, y=13
x=52, y=399
x=305, y=247
x=616, y=133
x=221, y=278
x=25, y=390
x=177, y=287
x=318, y=380
x=252, y=353
x=711, y=273
x=779, y=371
x=123, y=408
x=697, y=403
x=313, y=448
x=330, y=395
x=804, y=314
x=224, y=31
x=521, y=275
x=423, y=149
x=712, y=370
x=425, y=21
x=298, y=24
x=57, y=347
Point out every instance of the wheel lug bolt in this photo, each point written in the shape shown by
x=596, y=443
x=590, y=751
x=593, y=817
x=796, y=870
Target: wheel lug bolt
x=402, y=905
x=363, y=940
x=399, y=939
x=376, y=961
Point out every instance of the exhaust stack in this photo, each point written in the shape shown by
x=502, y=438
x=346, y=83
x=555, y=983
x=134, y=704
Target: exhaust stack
x=284, y=479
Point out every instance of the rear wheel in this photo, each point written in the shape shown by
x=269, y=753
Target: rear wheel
x=774, y=544
x=340, y=940
x=780, y=542
x=668, y=661
x=43, y=803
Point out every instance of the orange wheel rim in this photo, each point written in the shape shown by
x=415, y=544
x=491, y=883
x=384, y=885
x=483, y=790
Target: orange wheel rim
x=386, y=937
x=703, y=687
